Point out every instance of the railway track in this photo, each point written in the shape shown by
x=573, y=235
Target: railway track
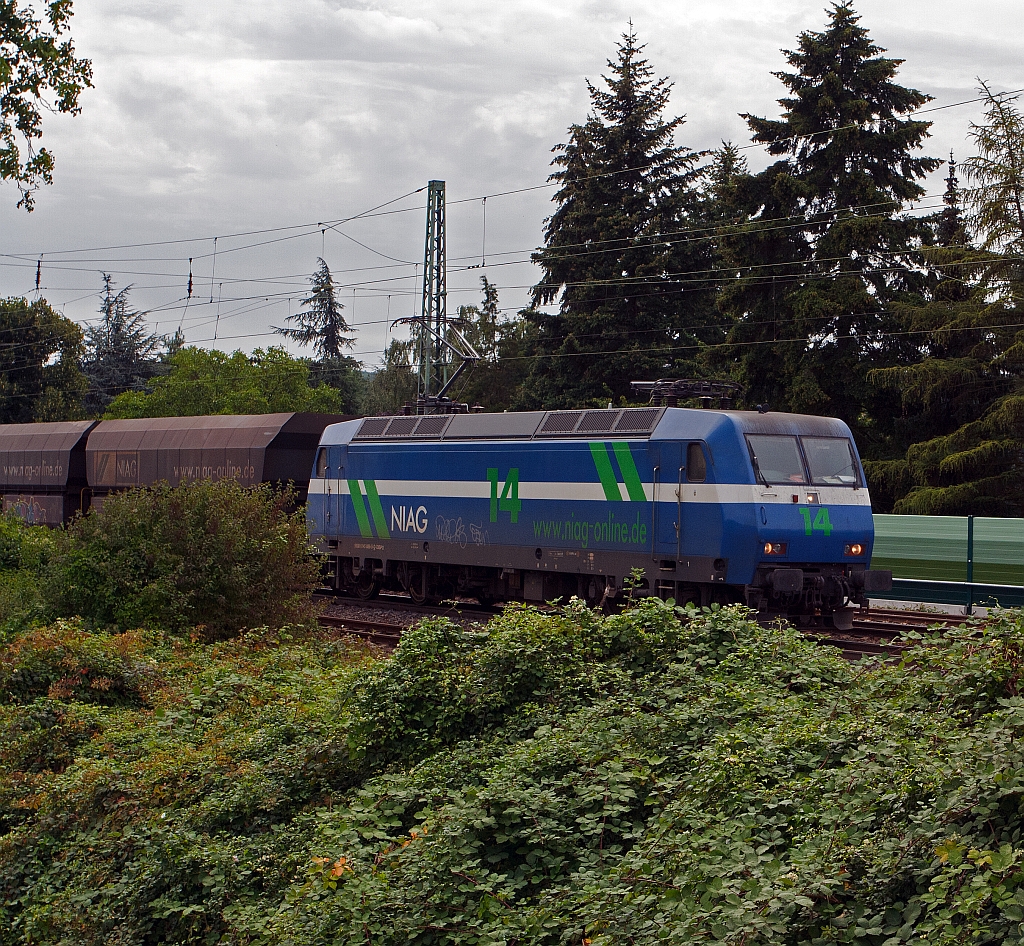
x=877, y=634
x=884, y=618
x=858, y=648
x=385, y=619
x=381, y=633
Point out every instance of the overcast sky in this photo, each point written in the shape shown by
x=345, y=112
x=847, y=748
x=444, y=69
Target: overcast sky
x=216, y=118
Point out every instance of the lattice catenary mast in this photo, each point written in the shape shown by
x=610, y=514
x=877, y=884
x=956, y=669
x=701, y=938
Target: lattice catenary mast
x=434, y=310
x=438, y=341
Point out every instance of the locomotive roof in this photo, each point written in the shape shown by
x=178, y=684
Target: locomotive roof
x=628, y=422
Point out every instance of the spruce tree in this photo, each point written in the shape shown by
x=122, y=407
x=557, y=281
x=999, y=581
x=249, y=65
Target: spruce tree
x=121, y=352
x=826, y=248
x=320, y=321
x=950, y=383
x=966, y=398
x=951, y=229
x=629, y=306
x=724, y=174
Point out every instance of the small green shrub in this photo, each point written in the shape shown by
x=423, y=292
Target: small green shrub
x=214, y=556
x=24, y=553
x=23, y=546
x=65, y=662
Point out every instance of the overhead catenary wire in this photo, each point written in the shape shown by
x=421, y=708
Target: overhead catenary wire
x=614, y=245
x=659, y=286
x=509, y=192
x=662, y=276
x=688, y=234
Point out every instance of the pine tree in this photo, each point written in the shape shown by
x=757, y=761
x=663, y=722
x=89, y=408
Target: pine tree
x=121, y=352
x=629, y=306
x=826, y=248
x=322, y=324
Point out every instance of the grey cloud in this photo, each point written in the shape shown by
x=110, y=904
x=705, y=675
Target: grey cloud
x=209, y=118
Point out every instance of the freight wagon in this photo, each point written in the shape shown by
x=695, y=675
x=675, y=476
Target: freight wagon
x=50, y=472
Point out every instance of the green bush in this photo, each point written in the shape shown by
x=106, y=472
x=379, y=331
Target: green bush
x=215, y=556
x=65, y=662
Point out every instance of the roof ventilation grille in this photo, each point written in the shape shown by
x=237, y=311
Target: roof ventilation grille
x=561, y=422
x=598, y=421
x=372, y=427
x=401, y=426
x=638, y=420
x=432, y=426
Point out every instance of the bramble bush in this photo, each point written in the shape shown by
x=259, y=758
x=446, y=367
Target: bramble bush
x=660, y=776
x=215, y=556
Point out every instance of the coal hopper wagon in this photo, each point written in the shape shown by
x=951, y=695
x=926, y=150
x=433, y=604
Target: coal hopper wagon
x=50, y=472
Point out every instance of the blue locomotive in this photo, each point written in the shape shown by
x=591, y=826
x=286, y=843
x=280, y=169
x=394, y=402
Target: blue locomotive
x=766, y=509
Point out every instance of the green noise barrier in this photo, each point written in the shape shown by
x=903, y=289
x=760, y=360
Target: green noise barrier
x=962, y=560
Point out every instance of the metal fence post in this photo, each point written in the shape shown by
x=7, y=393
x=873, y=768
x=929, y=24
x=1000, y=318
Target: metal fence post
x=970, y=564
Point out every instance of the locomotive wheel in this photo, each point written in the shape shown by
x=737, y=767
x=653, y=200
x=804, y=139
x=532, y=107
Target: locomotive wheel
x=366, y=586
x=417, y=587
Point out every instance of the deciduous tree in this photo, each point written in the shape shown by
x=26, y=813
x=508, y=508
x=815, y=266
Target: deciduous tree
x=394, y=382
x=40, y=350
x=38, y=70
x=496, y=381
x=211, y=382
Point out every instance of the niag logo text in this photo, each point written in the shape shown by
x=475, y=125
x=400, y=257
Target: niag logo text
x=407, y=519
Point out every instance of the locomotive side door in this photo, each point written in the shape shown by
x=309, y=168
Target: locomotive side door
x=335, y=477
x=666, y=514
x=693, y=470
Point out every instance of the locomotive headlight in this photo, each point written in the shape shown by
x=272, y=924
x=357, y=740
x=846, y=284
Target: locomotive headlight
x=853, y=550
x=775, y=548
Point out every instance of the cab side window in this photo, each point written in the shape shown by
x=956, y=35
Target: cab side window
x=321, y=462
x=696, y=464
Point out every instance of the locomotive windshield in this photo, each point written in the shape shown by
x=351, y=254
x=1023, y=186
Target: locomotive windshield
x=831, y=461
x=777, y=459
